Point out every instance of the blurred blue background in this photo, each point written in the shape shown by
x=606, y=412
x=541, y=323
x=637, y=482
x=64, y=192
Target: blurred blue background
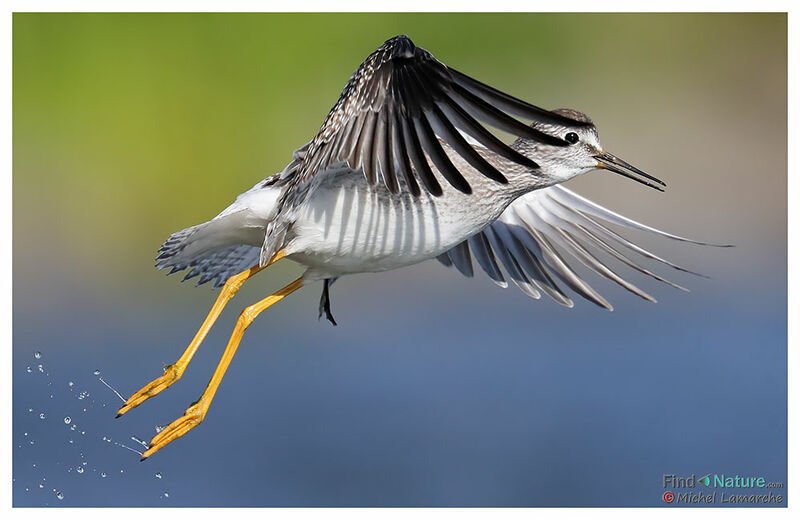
x=434, y=390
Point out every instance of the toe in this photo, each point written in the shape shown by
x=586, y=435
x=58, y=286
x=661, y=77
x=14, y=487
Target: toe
x=175, y=430
x=151, y=389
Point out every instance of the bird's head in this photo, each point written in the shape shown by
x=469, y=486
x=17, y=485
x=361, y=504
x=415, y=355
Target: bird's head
x=579, y=153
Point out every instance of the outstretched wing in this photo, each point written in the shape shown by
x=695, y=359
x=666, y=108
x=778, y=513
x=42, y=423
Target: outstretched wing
x=538, y=236
x=398, y=102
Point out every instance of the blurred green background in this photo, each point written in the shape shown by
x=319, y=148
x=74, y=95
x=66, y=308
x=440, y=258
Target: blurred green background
x=127, y=127
x=130, y=126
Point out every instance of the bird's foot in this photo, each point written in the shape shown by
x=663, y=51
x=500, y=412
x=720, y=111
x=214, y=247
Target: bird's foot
x=171, y=374
x=178, y=428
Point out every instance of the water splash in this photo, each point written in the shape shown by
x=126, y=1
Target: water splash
x=73, y=438
x=128, y=448
x=110, y=387
x=134, y=438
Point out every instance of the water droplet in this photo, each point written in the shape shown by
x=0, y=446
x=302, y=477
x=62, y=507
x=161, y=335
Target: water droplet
x=140, y=441
x=41, y=486
x=79, y=469
x=28, y=369
x=96, y=372
x=34, y=464
x=103, y=474
x=84, y=462
x=67, y=419
x=158, y=475
x=73, y=427
x=166, y=494
x=41, y=415
x=37, y=355
x=41, y=368
x=70, y=384
x=59, y=495
x=159, y=428
x=30, y=410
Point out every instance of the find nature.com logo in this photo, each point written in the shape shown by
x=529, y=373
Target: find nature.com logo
x=727, y=489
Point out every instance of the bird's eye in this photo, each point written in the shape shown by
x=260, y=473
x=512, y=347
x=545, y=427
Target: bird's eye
x=571, y=138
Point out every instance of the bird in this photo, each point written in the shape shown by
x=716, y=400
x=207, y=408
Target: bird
x=406, y=168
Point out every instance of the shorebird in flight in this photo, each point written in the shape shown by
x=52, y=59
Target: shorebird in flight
x=404, y=170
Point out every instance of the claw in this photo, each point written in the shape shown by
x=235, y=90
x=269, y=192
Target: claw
x=171, y=374
x=178, y=428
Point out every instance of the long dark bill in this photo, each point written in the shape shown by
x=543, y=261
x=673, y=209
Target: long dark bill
x=610, y=162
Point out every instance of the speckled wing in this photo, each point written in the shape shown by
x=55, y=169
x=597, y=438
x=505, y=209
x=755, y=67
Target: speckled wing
x=395, y=107
x=541, y=234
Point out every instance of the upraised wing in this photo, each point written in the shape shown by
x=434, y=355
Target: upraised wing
x=399, y=101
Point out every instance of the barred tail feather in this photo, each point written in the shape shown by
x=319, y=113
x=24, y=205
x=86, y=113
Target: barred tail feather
x=227, y=244
x=195, y=249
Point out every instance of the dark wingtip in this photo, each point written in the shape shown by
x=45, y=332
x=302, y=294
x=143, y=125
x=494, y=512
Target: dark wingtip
x=118, y=416
x=143, y=459
x=400, y=38
x=401, y=46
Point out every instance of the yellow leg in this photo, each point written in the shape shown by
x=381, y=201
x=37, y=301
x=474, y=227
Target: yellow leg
x=174, y=371
x=197, y=411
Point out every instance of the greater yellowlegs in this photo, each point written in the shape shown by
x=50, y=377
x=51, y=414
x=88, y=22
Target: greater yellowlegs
x=403, y=171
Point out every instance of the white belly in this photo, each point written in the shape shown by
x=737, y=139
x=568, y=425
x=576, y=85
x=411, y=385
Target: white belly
x=348, y=226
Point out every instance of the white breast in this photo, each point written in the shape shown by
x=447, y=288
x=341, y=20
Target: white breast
x=348, y=226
